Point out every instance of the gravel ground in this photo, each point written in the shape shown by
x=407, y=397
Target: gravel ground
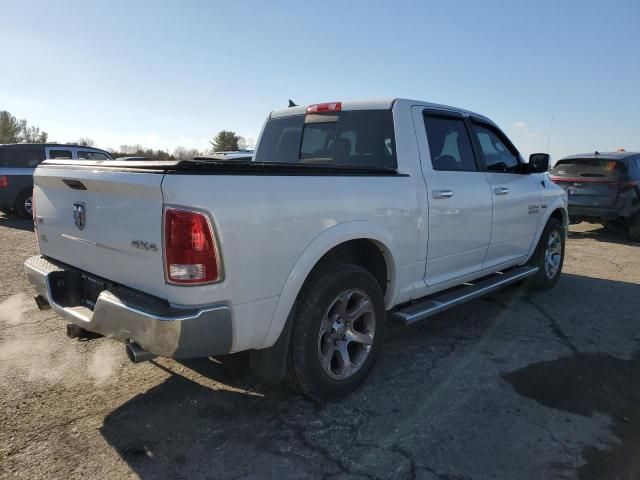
x=512, y=386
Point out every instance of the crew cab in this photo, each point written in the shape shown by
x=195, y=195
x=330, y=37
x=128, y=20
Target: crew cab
x=348, y=213
x=18, y=161
x=602, y=188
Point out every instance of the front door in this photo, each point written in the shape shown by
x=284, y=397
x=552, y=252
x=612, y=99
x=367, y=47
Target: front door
x=516, y=196
x=458, y=195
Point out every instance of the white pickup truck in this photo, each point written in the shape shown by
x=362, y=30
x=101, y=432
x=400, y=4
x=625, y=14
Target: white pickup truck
x=349, y=213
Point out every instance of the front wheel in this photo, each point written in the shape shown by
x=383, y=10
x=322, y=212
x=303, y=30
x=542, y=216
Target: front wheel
x=338, y=332
x=549, y=256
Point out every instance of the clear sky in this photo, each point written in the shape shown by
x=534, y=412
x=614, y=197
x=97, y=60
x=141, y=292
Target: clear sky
x=165, y=73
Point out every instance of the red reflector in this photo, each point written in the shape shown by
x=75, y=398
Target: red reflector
x=191, y=252
x=325, y=107
x=4, y=181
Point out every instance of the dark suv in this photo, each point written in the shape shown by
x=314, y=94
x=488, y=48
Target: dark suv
x=603, y=188
x=17, y=162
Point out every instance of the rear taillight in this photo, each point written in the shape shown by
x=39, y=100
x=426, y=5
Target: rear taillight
x=190, y=249
x=4, y=181
x=626, y=186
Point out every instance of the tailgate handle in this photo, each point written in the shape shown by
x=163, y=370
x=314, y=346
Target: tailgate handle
x=74, y=184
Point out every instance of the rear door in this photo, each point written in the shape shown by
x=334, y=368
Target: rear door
x=458, y=195
x=516, y=196
x=590, y=182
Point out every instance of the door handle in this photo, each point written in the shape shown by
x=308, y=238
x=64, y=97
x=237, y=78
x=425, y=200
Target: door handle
x=501, y=190
x=442, y=194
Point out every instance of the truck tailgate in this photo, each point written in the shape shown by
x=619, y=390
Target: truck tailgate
x=105, y=222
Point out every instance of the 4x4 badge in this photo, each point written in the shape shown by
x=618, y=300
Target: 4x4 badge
x=79, y=215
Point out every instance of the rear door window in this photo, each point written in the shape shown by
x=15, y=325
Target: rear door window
x=359, y=138
x=89, y=155
x=20, y=157
x=60, y=154
x=449, y=143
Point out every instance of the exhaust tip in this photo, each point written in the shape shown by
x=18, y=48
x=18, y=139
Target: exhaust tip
x=42, y=303
x=137, y=354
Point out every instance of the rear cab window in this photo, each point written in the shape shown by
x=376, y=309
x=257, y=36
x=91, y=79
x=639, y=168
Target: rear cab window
x=20, y=157
x=352, y=138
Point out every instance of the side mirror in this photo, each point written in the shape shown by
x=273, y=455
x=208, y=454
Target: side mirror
x=539, y=162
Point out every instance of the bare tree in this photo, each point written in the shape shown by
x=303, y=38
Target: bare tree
x=32, y=134
x=182, y=153
x=85, y=142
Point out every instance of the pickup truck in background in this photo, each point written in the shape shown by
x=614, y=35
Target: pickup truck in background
x=18, y=162
x=348, y=213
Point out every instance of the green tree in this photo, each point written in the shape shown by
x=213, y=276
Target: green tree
x=225, y=141
x=13, y=130
x=10, y=128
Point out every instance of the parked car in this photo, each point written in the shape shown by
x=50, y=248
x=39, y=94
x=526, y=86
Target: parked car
x=18, y=161
x=348, y=211
x=602, y=188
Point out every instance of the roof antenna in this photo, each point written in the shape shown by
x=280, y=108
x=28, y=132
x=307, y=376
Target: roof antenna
x=553, y=113
x=291, y=104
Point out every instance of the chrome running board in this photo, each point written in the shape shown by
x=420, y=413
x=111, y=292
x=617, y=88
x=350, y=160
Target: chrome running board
x=442, y=301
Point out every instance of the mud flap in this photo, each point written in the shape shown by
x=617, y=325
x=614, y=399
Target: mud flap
x=270, y=364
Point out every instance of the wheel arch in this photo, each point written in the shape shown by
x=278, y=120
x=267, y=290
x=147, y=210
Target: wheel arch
x=556, y=209
x=356, y=242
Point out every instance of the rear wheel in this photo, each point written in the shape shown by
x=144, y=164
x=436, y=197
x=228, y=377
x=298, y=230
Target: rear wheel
x=549, y=256
x=24, y=204
x=338, y=332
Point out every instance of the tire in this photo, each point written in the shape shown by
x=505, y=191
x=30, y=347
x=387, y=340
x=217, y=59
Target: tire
x=338, y=332
x=548, y=257
x=23, y=204
x=634, y=229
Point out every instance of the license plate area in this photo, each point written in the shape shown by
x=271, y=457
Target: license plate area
x=89, y=288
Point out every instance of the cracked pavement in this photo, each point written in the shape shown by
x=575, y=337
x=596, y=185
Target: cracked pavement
x=511, y=386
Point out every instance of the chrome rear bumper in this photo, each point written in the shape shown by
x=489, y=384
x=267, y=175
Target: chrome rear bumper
x=130, y=316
